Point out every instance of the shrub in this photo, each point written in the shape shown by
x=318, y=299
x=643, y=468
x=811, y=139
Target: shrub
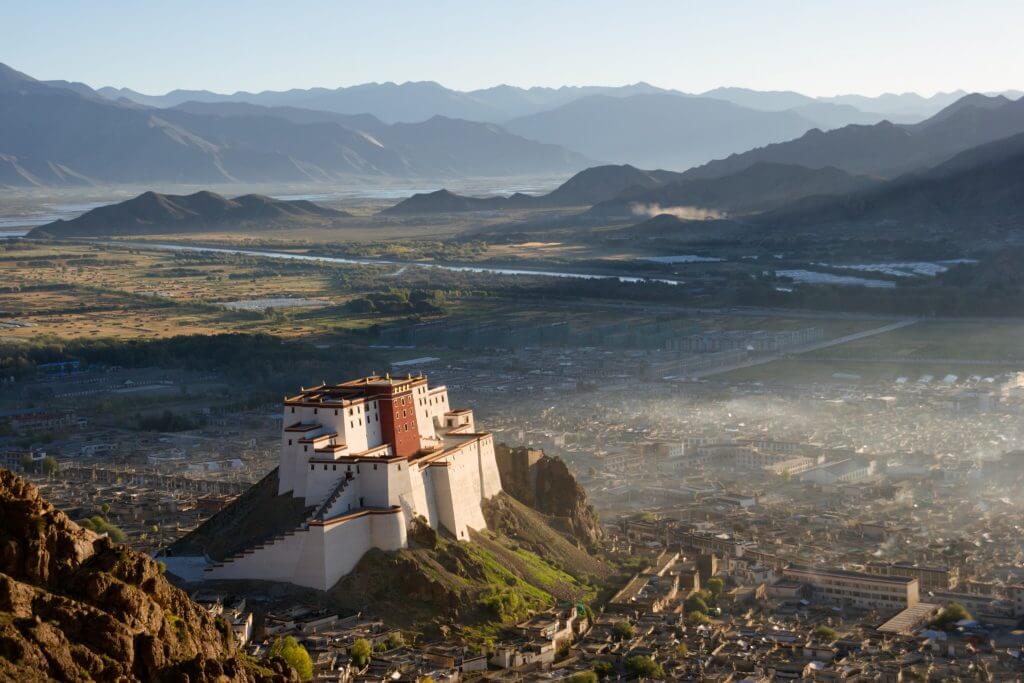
x=292, y=652
x=623, y=630
x=360, y=652
x=644, y=667
x=952, y=613
x=825, y=633
x=695, y=603
x=715, y=586
x=583, y=677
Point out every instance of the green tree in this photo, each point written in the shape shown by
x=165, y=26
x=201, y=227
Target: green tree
x=623, y=630
x=952, y=613
x=644, y=667
x=695, y=603
x=360, y=652
x=682, y=650
x=826, y=633
x=583, y=677
x=292, y=652
x=604, y=669
x=102, y=526
x=395, y=639
x=715, y=586
x=50, y=466
x=697, y=618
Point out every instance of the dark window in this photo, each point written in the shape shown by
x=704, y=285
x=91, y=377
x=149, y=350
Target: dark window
x=312, y=467
x=293, y=409
x=325, y=468
x=316, y=411
x=305, y=448
x=289, y=442
x=335, y=411
x=334, y=468
x=399, y=467
x=361, y=503
x=374, y=465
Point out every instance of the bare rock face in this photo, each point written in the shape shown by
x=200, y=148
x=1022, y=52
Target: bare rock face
x=545, y=484
x=75, y=606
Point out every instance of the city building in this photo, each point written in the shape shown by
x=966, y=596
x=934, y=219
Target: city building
x=867, y=591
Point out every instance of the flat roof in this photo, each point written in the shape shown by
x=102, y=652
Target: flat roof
x=848, y=574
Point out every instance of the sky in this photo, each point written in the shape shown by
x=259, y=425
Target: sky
x=818, y=47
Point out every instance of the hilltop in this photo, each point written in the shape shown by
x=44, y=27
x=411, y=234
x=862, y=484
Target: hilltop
x=76, y=606
x=527, y=559
x=589, y=186
x=153, y=213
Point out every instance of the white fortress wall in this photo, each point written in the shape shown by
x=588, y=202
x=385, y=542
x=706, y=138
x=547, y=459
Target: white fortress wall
x=297, y=559
x=490, y=477
x=322, y=479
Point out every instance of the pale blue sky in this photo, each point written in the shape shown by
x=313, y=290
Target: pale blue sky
x=820, y=47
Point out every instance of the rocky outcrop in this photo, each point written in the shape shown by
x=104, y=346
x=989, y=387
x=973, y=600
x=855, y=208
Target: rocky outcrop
x=76, y=606
x=545, y=484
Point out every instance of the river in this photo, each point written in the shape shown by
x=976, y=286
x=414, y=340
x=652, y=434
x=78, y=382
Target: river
x=399, y=264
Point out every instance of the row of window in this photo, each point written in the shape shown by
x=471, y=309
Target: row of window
x=334, y=468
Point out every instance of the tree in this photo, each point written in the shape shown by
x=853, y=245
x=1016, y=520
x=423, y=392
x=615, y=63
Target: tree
x=697, y=618
x=952, y=613
x=604, y=669
x=644, y=667
x=623, y=630
x=395, y=639
x=360, y=652
x=825, y=633
x=695, y=603
x=292, y=652
x=50, y=466
x=715, y=586
x=682, y=650
x=583, y=677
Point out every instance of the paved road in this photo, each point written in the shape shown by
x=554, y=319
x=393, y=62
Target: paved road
x=805, y=349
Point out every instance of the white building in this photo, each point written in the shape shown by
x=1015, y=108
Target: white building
x=370, y=455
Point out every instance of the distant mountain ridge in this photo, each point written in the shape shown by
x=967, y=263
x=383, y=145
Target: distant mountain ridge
x=659, y=130
x=419, y=100
x=886, y=149
x=981, y=189
x=587, y=187
x=61, y=135
x=153, y=213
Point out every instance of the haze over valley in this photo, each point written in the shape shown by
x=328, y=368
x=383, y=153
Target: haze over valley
x=512, y=342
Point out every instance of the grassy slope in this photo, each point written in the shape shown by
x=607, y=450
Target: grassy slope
x=453, y=582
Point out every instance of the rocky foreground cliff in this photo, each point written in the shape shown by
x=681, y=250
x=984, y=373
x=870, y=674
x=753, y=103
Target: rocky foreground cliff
x=76, y=606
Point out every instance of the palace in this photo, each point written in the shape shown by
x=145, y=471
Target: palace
x=369, y=456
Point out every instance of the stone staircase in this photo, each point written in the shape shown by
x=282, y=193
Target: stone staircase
x=318, y=515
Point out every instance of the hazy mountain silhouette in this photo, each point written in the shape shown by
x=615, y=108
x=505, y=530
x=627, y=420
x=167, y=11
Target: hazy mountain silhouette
x=408, y=102
x=153, y=213
x=57, y=135
x=666, y=131
x=981, y=189
x=886, y=149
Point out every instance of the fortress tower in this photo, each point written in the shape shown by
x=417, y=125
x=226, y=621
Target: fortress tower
x=368, y=456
